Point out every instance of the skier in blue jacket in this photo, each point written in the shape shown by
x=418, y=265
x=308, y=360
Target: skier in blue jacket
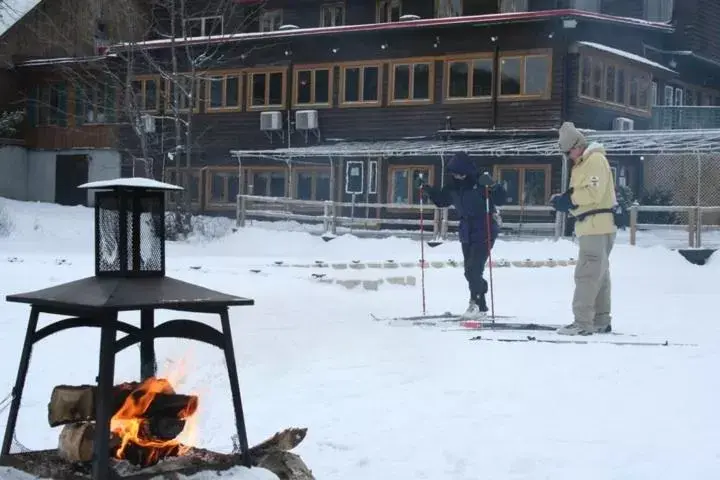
x=466, y=192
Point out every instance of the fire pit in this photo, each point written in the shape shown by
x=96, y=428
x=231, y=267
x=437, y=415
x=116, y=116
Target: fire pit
x=130, y=430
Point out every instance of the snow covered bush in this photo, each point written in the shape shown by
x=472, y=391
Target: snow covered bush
x=201, y=227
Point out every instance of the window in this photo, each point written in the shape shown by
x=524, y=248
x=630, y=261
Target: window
x=188, y=93
x=588, y=5
x=332, y=15
x=653, y=94
x=510, y=6
x=271, y=20
x=267, y=182
x=48, y=105
x=525, y=185
x=146, y=94
x=525, y=76
x=223, y=186
x=222, y=91
x=469, y=78
x=360, y=85
x=659, y=10
x=313, y=86
x=373, y=177
x=403, y=183
x=668, y=95
x=204, y=26
x=448, y=8
x=172, y=177
x=95, y=104
x=411, y=82
x=267, y=89
x=678, y=102
x=312, y=184
x=388, y=11
x=606, y=81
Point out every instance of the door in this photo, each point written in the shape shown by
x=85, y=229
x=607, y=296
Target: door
x=71, y=171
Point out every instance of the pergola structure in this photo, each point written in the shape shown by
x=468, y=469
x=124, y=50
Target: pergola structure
x=504, y=143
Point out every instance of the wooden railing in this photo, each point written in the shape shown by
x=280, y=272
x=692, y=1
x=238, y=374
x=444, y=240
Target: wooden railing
x=282, y=208
x=694, y=225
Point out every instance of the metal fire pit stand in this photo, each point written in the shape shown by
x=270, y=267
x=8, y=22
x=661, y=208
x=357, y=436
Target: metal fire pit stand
x=131, y=219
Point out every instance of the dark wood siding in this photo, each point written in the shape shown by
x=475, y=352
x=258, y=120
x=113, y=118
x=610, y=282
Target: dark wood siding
x=698, y=27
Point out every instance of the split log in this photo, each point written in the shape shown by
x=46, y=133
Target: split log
x=70, y=404
x=76, y=442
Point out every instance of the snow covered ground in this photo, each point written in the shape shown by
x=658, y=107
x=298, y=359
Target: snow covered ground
x=389, y=402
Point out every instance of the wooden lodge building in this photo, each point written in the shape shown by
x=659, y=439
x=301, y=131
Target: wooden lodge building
x=322, y=99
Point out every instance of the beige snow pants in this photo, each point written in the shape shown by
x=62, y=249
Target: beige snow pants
x=591, y=301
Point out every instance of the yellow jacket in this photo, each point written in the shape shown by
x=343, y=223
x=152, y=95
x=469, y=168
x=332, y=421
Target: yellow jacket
x=593, y=188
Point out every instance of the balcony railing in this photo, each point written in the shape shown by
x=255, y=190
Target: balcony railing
x=685, y=118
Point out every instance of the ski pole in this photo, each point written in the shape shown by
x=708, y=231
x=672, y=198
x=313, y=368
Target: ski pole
x=422, y=247
x=489, y=252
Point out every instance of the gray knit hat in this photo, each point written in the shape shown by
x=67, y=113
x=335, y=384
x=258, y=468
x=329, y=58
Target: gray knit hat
x=570, y=137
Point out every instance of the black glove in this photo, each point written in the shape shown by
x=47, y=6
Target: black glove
x=420, y=183
x=563, y=202
x=485, y=180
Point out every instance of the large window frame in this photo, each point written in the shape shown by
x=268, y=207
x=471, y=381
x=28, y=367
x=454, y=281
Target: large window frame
x=313, y=69
x=49, y=104
x=448, y=8
x=332, y=10
x=524, y=57
x=205, y=25
x=100, y=98
x=184, y=106
x=387, y=11
x=271, y=20
x=249, y=179
x=411, y=63
x=176, y=176
x=469, y=60
x=521, y=170
x=342, y=103
x=413, y=199
x=144, y=81
x=226, y=77
x=226, y=199
x=268, y=72
x=594, y=70
x=315, y=173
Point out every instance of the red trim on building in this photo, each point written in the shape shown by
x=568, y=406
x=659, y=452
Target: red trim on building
x=490, y=19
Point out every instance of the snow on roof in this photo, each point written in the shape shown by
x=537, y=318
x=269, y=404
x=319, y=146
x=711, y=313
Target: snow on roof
x=131, y=182
x=11, y=11
x=622, y=53
x=493, y=18
x=646, y=142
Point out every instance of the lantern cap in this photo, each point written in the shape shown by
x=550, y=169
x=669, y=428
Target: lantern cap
x=132, y=183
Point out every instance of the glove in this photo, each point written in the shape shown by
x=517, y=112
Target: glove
x=485, y=180
x=563, y=202
x=420, y=183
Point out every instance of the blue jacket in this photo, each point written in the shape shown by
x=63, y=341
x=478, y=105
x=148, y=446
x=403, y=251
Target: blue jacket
x=468, y=198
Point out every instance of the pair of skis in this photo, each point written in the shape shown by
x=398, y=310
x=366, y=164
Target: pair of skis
x=453, y=322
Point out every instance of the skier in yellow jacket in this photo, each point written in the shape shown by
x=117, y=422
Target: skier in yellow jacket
x=590, y=199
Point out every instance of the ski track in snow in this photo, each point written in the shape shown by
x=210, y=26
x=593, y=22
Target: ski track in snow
x=413, y=403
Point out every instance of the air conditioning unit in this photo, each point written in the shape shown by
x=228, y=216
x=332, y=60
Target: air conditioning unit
x=622, y=123
x=270, y=121
x=306, y=119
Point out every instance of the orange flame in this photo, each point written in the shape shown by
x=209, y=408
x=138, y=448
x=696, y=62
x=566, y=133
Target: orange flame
x=131, y=424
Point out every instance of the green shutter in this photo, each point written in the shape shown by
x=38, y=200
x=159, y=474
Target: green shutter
x=110, y=105
x=62, y=99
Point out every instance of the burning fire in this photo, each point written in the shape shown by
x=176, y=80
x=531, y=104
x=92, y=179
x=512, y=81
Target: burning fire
x=133, y=423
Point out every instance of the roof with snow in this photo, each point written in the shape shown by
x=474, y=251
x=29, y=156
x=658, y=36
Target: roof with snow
x=12, y=11
x=622, y=53
x=498, y=144
x=130, y=182
x=487, y=19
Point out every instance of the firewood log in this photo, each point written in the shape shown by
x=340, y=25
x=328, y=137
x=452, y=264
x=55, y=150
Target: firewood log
x=70, y=404
x=76, y=440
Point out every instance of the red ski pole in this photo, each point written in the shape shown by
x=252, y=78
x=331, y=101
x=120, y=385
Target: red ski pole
x=489, y=251
x=422, y=249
